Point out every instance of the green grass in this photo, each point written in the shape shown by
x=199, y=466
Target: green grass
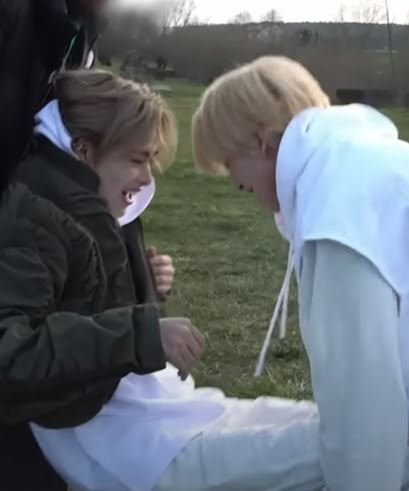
x=401, y=119
x=230, y=265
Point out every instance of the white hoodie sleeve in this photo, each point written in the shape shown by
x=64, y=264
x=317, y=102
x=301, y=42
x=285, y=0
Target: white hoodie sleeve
x=349, y=323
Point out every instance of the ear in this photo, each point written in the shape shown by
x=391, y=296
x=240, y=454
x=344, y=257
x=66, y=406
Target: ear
x=84, y=150
x=269, y=143
x=262, y=143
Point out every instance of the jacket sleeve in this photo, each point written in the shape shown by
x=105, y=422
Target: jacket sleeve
x=40, y=353
x=349, y=322
x=7, y=16
x=2, y=26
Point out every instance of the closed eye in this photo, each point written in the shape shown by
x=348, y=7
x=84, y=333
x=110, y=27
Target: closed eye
x=144, y=157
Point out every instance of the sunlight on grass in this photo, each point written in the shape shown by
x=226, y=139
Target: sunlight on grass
x=230, y=265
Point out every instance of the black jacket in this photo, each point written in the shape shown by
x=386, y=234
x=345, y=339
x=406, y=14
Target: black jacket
x=62, y=352
x=36, y=38
x=73, y=187
x=58, y=367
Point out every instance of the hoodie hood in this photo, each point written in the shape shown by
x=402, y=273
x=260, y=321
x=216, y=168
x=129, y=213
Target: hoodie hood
x=48, y=123
x=306, y=134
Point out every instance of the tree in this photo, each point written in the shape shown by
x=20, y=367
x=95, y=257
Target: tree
x=363, y=12
x=366, y=35
x=176, y=13
x=137, y=32
x=271, y=16
x=242, y=18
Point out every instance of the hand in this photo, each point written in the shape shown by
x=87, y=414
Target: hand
x=163, y=271
x=182, y=343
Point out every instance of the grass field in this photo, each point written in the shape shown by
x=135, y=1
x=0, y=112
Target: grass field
x=230, y=265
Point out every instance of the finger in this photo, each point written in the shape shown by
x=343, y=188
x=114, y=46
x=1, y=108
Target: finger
x=151, y=252
x=164, y=280
x=184, y=375
x=179, y=363
x=198, y=336
x=165, y=271
x=195, y=348
x=187, y=358
x=165, y=261
x=164, y=290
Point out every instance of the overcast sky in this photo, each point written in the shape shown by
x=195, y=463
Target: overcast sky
x=290, y=10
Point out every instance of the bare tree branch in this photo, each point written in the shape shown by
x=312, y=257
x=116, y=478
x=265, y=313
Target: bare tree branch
x=272, y=16
x=364, y=11
x=176, y=13
x=242, y=18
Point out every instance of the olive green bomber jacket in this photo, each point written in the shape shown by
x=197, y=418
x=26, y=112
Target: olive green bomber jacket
x=61, y=353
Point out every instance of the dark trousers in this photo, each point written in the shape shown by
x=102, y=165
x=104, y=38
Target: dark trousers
x=22, y=465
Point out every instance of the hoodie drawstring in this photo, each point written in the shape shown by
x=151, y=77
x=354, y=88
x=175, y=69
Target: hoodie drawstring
x=282, y=304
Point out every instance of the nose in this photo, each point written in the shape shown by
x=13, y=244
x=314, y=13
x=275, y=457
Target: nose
x=145, y=175
x=248, y=190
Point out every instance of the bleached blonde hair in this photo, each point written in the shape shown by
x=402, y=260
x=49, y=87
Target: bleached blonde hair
x=114, y=112
x=261, y=97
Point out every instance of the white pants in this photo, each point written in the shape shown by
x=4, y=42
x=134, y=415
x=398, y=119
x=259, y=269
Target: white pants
x=262, y=445
x=266, y=444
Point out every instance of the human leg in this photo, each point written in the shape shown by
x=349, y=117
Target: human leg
x=263, y=445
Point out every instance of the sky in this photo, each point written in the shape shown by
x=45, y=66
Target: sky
x=290, y=10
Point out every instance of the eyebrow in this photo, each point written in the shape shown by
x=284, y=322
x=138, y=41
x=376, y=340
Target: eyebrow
x=148, y=154
x=145, y=154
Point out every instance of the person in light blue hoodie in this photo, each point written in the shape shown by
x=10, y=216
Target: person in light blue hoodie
x=337, y=181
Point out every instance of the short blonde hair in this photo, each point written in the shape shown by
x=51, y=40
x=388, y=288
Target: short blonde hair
x=115, y=112
x=261, y=96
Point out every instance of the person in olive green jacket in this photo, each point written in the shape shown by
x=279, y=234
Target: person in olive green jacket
x=71, y=324
x=67, y=335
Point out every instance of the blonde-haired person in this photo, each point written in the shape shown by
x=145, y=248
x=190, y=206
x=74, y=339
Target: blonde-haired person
x=95, y=144
x=337, y=180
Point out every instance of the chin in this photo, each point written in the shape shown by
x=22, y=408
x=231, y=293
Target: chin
x=268, y=206
x=117, y=212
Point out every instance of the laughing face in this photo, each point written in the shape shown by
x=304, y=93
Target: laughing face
x=123, y=171
x=123, y=174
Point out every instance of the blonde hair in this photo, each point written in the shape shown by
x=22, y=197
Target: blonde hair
x=112, y=112
x=260, y=97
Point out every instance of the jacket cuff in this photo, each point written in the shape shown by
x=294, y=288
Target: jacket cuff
x=148, y=342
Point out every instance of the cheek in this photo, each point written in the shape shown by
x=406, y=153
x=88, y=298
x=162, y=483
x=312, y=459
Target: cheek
x=241, y=174
x=110, y=176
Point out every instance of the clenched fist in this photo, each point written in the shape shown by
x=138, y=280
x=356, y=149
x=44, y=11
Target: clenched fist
x=163, y=271
x=182, y=343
